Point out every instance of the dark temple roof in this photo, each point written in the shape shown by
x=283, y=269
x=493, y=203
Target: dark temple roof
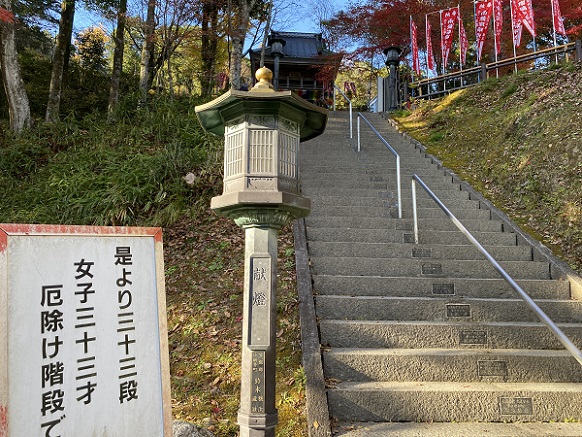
x=298, y=46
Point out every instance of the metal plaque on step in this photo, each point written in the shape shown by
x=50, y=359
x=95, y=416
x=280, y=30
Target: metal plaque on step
x=408, y=238
x=431, y=269
x=492, y=368
x=458, y=310
x=473, y=338
x=443, y=289
x=515, y=406
x=421, y=252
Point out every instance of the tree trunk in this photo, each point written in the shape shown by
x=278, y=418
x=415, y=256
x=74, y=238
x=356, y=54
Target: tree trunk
x=18, y=105
x=238, y=40
x=117, y=57
x=147, y=52
x=209, y=45
x=59, y=60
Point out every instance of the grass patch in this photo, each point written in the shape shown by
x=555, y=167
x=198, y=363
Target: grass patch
x=518, y=140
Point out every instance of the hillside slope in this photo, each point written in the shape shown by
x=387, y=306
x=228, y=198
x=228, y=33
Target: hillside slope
x=518, y=140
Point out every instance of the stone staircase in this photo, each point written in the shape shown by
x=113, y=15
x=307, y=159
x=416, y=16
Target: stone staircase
x=427, y=339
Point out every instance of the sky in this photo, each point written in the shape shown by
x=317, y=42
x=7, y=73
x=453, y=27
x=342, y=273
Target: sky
x=300, y=17
x=304, y=16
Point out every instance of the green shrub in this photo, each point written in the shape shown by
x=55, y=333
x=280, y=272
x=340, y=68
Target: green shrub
x=128, y=173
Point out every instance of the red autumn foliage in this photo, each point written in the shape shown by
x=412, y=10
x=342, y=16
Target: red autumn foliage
x=381, y=23
x=6, y=16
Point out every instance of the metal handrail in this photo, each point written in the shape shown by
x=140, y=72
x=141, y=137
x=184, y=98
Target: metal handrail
x=350, y=102
x=524, y=296
x=394, y=152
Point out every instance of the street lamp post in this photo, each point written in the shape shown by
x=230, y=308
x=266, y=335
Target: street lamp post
x=261, y=192
x=392, y=54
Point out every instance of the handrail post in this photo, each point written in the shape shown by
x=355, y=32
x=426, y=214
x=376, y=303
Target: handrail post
x=359, y=147
x=350, y=103
x=351, y=123
x=399, y=188
x=414, y=212
x=396, y=155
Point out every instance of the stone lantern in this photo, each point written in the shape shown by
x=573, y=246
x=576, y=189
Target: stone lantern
x=277, y=43
x=262, y=130
x=392, y=54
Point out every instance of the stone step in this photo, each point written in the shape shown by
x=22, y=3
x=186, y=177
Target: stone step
x=379, y=201
x=358, y=171
x=455, y=402
x=437, y=268
x=447, y=335
x=344, y=165
x=389, y=194
x=382, y=179
x=443, y=309
x=343, y=285
x=436, y=224
x=398, y=236
x=404, y=251
x=407, y=155
x=379, y=211
x=465, y=429
x=451, y=365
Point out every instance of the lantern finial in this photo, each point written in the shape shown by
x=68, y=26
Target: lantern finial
x=264, y=77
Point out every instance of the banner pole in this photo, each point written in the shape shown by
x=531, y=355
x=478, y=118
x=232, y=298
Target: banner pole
x=513, y=35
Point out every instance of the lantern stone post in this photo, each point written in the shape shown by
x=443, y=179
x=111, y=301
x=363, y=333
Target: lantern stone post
x=392, y=54
x=261, y=193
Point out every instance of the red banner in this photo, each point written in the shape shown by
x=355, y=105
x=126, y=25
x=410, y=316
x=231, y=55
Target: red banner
x=498, y=14
x=522, y=16
x=483, y=11
x=429, y=53
x=516, y=24
x=449, y=19
x=464, y=42
x=414, y=48
x=558, y=20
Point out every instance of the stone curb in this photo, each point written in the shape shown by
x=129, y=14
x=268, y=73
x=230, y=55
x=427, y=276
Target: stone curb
x=317, y=408
x=185, y=429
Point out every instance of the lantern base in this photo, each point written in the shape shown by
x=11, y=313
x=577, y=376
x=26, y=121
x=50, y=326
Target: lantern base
x=261, y=208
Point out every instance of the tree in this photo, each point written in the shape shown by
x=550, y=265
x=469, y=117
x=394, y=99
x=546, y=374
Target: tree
x=60, y=59
x=242, y=11
x=90, y=45
x=209, y=44
x=119, y=39
x=18, y=105
x=147, y=51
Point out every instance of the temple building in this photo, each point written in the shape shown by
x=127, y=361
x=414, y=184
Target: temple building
x=303, y=63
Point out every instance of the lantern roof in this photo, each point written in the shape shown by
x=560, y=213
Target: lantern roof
x=262, y=100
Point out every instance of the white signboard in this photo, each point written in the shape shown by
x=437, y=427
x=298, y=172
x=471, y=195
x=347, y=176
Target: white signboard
x=83, y=337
